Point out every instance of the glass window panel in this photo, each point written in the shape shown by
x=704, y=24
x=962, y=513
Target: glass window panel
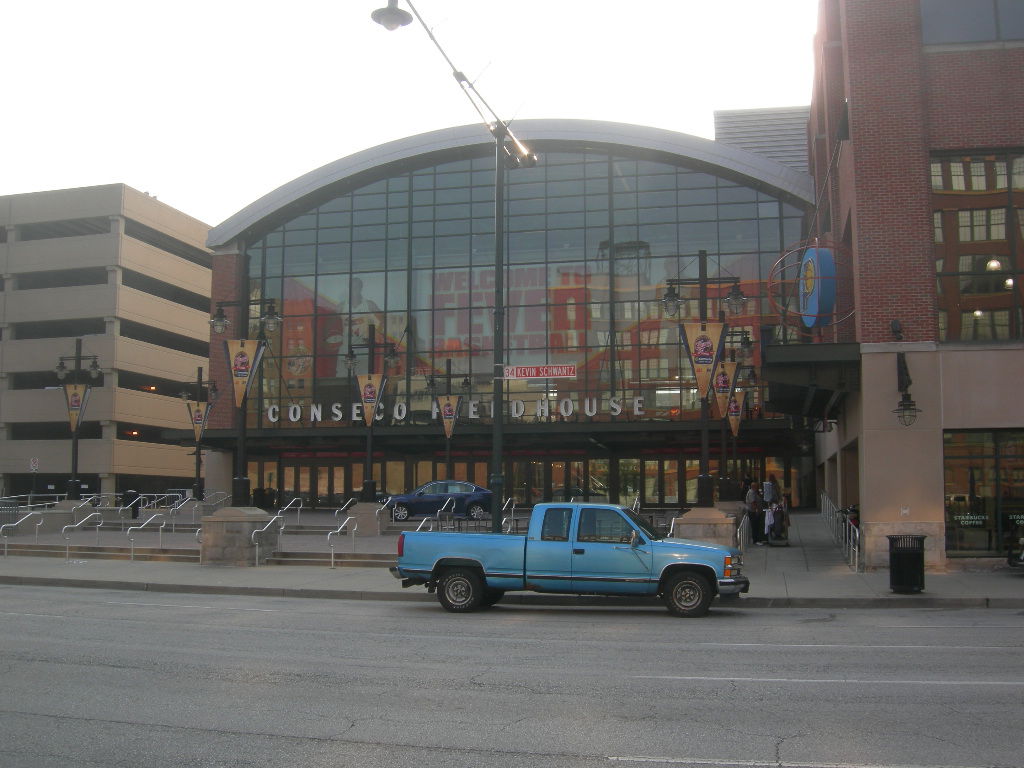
x=565, y=244
x=526, y=247
x=562, y=220
x=336, y=219
x=699, y=236
x=698, y=213
x=300, y=260
x=748, y=211
x=738, y=236
x=369, y=233
x=565, y=204
x=1011, y=19
x=954, y=21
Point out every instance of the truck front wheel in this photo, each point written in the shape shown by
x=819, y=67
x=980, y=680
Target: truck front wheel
x=688, y=595
x=460, y=590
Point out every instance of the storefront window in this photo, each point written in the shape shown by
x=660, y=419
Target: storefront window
x=984, y=491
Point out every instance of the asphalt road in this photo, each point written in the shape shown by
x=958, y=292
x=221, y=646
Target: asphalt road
x=98, y=678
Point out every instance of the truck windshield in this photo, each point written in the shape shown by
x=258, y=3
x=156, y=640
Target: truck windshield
x=642, y=524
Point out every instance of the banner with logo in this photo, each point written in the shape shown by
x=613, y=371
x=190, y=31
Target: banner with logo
x=703, y=345
x=725, y=380
x=244, y=356
x=199, y=414
x=371, y=385
x=448, y=405
x=736, y=404
x=76, y=396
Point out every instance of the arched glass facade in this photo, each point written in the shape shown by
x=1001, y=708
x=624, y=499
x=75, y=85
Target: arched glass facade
x=401, y=263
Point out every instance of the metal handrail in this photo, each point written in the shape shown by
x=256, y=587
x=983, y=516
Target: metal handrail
x=424, y=521
x=382, y=508
x=67, y=536
x=352, y=532
x=344, y=507
x=19, y=522
x=450, y=515
x=215, y=498
x=199, y=541
x=298, y=510
x=743, y=532
x=844, y=533
x=160, y=540
x=279, y=519
x=175, y=510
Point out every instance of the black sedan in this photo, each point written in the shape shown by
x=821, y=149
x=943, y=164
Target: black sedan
x=469, y=500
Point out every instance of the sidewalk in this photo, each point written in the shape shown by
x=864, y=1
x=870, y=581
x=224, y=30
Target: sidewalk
x=809, y=573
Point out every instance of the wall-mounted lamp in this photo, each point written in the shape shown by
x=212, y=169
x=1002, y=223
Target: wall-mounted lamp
x=906, y=411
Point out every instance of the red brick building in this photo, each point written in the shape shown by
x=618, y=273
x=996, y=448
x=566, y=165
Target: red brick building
x=916, y=141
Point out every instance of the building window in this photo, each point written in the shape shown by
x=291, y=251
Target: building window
x=977, y=21
x=982, y=224
x=984, y=491
x=978, y=253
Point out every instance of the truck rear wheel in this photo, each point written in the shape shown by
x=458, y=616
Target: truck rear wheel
x=687, y=595
x=460, y=590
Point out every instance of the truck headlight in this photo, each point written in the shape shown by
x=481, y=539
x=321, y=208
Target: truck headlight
x=732, y=566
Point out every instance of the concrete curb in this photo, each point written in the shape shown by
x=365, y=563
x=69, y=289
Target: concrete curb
x=591, y=601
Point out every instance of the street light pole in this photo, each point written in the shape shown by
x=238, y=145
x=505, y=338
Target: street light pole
x=518, y=156
x=369, y=489
x=269, y=321
x=198, y=417
x=734, y=301
x=496, y=481
x=75, y=397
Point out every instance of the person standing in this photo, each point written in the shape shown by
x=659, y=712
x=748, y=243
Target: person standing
x=755, y=512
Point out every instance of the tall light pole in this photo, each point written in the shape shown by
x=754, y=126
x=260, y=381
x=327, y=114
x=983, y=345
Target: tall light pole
x=243, y=367
x=432, y=389
x=369, y=490
x=198, y=414
x=76, y=396
x=508, y=151
x=734, y=300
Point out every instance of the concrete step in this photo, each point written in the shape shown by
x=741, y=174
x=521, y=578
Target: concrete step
x=85, y=552
x=341, y=559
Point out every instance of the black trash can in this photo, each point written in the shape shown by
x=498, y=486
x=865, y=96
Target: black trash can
x=906, y=563
x=132, y=501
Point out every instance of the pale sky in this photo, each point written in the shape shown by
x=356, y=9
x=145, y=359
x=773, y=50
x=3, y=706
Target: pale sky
x=210, y=104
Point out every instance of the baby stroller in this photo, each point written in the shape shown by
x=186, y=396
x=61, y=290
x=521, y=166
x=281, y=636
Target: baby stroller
x=776, y=525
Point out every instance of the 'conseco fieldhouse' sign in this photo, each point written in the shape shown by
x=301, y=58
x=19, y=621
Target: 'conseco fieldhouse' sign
x=540, y=371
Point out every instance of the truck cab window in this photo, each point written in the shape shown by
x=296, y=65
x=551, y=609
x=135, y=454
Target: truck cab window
x=604, y=525
x=556, y=525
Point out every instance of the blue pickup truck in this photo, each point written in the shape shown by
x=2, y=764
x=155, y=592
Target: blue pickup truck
x=585, y=549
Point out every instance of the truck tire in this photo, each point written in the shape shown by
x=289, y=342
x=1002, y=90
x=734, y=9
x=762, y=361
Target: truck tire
x=476, y=512
x=400, y=513
x=688, y=595
x=460, y=590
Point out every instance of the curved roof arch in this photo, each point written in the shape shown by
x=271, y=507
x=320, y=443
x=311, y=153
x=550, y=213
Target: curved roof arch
x=736, y=162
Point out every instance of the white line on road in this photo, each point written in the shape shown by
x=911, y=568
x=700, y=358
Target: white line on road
x=717, y=763
x=182, y=605
x=801, y=680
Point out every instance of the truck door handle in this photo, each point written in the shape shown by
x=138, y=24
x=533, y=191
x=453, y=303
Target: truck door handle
x=578, y=551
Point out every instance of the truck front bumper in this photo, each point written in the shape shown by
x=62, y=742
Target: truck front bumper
x=733, y=586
